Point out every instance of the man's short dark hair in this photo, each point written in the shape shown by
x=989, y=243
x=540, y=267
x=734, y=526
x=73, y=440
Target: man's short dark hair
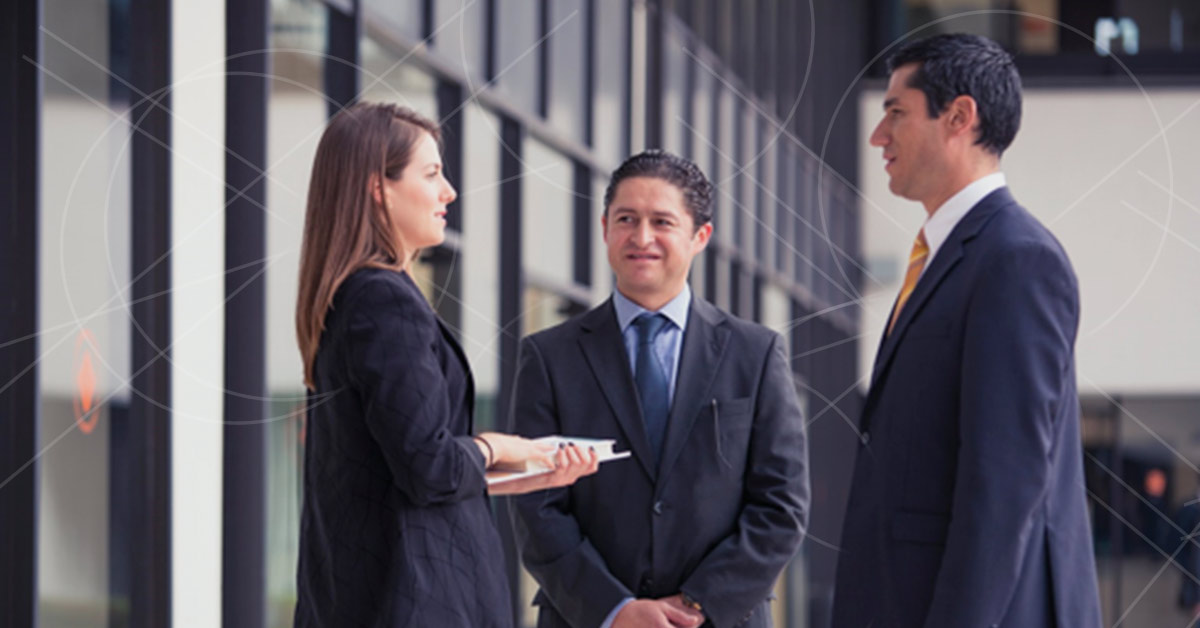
x=958, y=64
x=683, y=174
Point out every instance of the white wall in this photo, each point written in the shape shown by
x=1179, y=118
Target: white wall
x=1112, y=172
x=197, y=310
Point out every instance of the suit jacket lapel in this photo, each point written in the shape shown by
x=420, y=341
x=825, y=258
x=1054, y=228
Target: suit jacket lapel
x=704, y=344
x=604, y=349
x=466, y=367
x=948, y=256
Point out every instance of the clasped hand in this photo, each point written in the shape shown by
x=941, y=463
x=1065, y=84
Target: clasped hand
x=668, y=612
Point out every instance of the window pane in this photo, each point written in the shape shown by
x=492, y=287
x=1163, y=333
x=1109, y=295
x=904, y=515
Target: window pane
x=478, y=200
x=611, y=124
x=84, y=317
x=785, y=206
x=386, y=79
x=602, y=276
x=804, y=227
x=296, y=118
x=745, y=218
x=776, y=310
x=723, y=223
x=567, y=23
x=402, y=16
x=548, y=204
x=674, y=79
x=542, y=309
x=458, y=36
x=723, y=298
x=702, y=106
x=516, y=52
x=766, y=192
x=1127, y=27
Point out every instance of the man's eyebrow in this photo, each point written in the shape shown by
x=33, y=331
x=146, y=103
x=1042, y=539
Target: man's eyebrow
x=887, y=104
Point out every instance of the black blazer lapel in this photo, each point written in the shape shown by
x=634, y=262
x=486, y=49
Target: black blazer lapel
x=448, y=338
x=704, y=344
x=604, y=349
x=948, y=256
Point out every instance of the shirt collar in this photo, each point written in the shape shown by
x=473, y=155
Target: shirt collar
x=945, y=218
x=676, y=310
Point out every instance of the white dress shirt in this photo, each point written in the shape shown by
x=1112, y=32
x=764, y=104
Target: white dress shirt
x=947, y=216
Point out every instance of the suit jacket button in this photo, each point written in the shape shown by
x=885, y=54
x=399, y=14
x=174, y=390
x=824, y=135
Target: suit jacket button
x=658, y=507
x=865, y=438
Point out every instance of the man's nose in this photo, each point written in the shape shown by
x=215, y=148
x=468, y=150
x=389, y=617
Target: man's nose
x=642, y=233
x=878, y=137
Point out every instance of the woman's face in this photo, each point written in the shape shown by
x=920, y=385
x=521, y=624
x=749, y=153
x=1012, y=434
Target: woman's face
x=417, y=201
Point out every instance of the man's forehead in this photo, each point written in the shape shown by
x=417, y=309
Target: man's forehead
x=648, y=184
x=899, y=87
x=648, y=189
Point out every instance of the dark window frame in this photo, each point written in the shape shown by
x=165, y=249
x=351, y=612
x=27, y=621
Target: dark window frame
x=244, y=482
x=20, y=404
x=149, y=409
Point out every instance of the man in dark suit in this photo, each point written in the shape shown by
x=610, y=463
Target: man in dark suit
x=713, y=505
x=967, y=507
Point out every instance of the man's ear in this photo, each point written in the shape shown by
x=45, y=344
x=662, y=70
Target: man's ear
x=604, y=225
x=962, y=115
x=701, y=237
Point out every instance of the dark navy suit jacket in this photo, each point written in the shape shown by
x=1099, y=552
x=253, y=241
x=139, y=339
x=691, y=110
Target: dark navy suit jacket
x=396, y=529
x=968, y=504
x=721, y=514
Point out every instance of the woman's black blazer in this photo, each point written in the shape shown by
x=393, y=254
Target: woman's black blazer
x=396, y=529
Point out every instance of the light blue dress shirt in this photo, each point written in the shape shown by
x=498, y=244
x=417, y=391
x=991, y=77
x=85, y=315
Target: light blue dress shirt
x=667, y=346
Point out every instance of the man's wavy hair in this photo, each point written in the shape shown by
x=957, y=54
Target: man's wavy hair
x=683, y=174
x=958, y=64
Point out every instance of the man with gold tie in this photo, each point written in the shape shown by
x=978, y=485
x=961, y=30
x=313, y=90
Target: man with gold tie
x=967, y=506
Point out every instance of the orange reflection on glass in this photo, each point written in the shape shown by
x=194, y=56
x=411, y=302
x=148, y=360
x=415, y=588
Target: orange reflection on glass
x=86, y=414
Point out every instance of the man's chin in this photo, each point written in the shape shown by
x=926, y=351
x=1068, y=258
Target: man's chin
x=637, y=286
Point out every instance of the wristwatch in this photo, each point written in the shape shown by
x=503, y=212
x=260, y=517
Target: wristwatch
x=690, y=603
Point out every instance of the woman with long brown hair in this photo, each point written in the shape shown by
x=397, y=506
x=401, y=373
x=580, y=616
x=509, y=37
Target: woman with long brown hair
x=396, y=529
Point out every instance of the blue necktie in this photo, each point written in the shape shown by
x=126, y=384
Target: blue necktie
x=651, y=380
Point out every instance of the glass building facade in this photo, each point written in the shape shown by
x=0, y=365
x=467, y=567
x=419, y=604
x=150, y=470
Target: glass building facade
x=156, y=163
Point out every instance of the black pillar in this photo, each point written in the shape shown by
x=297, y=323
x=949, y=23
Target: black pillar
x=342, y=63
x=150, y=403
x=511, y=293
x=20, y=207
x=244, y=491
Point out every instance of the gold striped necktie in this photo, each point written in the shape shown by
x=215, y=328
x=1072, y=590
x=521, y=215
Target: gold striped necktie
x=916, y=263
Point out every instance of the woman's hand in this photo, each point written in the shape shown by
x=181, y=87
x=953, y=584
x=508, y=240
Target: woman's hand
x=569, y=463
x=507, y=449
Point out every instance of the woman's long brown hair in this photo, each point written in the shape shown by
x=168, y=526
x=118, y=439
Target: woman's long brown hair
x=344, y=228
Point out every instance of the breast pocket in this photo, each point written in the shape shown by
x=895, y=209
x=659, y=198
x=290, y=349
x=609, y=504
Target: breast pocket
x=731, y=422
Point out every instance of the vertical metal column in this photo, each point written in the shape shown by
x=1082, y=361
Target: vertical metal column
x=656, y=31
x=20, y=214
x=244, y=490
x=1116, y=530
x=511, y=293
x=343, y=80
x=150, y=403
x=448, y=271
